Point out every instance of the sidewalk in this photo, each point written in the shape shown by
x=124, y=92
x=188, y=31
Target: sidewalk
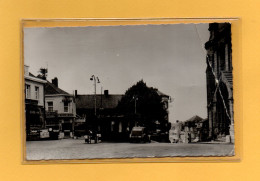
x=213, y=142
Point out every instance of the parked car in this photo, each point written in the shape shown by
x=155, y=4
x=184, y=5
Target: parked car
x=139, y=134
x=160, y=136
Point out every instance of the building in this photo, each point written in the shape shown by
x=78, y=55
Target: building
x=165, y=99
x=220, y=82
x=34, y=105
x=107, y=121
x=175, y=132
x=196, y=129
x=60, y=110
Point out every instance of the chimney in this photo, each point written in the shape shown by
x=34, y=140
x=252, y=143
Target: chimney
x=26, y=70
x=76, y=93
x=106, y=93
x=55, y=81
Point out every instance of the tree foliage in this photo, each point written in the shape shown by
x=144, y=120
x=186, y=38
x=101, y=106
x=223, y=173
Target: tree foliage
x=147, y=103
x=43, y=73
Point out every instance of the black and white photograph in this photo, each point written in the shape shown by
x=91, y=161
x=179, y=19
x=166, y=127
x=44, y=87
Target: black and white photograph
x=128, y=91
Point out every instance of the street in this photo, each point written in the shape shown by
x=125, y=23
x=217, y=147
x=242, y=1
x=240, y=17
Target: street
x=77, y=149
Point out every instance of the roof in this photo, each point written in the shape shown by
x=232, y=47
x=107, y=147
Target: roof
x=30, y=74
x=194, y=119
x=88, y=101
x=51, y=89
x=31, y=77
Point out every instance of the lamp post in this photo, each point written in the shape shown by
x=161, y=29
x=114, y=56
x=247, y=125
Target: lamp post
x=135, y=99
x=96, y=80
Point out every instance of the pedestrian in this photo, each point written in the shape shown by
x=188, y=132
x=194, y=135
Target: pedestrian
x=178, y=131
x=189, y=138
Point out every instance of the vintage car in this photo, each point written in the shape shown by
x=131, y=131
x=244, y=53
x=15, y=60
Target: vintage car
x=139, y=134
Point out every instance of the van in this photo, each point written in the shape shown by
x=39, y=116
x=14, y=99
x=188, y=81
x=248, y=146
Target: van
x=139, y=134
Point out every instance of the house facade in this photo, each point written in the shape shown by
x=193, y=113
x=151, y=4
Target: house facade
x=60, y=110
x=220, y=82
x=34, y=104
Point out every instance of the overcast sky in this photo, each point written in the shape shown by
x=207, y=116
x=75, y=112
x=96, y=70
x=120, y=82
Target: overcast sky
x=168, y=57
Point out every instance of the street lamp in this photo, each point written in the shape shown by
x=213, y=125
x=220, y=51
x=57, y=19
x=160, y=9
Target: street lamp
x=96, y=80
x=135, y=98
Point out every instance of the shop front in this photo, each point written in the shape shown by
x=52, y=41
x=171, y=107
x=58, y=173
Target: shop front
x=34, y=121
x=67, y=125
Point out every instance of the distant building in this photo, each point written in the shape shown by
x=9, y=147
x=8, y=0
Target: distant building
x=175, y=132
x=195, y=129
x=220, y=95
x=34, y=104
x=60, y=109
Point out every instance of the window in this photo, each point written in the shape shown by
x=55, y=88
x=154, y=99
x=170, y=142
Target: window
x=27, y=91
x=37, y=93
x=66, y=107
x=50, y=106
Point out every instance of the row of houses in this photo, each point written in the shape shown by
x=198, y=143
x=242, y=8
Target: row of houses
x=53, y=112
x=47, y=106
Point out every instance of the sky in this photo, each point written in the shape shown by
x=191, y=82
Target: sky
x=168, y=57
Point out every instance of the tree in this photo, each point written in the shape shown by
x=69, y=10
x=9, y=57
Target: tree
x=43, y=73
x=143, y=106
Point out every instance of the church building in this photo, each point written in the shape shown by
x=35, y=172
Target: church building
x=220, y=83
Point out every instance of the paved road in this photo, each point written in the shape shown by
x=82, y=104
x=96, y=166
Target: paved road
x=77, y=149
